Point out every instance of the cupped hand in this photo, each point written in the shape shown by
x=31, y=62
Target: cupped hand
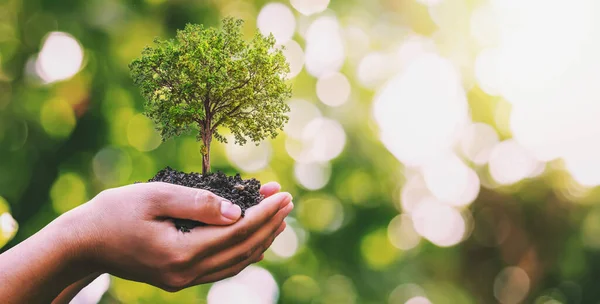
x=131, y=233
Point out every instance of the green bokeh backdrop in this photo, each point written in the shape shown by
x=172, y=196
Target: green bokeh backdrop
x=63, y=143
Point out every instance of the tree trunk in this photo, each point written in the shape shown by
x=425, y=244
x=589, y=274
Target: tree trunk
x=206, y=139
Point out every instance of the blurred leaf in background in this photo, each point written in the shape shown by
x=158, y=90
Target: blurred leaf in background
x=439, y=151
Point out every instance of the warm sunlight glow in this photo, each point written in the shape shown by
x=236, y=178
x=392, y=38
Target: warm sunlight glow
x=421, y=111
x=541, y=56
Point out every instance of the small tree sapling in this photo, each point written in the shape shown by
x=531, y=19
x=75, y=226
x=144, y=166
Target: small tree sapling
x=208, y=78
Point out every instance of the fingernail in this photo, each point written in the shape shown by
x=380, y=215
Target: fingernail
x=230, y=210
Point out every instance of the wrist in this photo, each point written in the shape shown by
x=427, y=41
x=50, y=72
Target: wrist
x=39, y=268
x=74, y=233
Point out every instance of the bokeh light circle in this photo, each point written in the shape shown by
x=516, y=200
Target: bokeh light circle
x=439, y=223
x=373, y=69
x=333, y=89
x=249, y=157
x=449, y=180
x=421, y=111
x=112, y=166
x=67, y=192
x=377, y=250
x=413, y=47
x=320, y=214
x=61, y=57
x=301, y=113
x=418, y=300
x=254, y=285
x=93, y=292
x=357, y=41
x=405, y=292
x=402, y=234
x=325, y=139
x=511, y=285
x=477, y=141
x=8, y=228
x=286, y=244
x=312, y=176
x=325, y=50
x=310, y=7
x=300, y=289
x=510, y=162
x=413, y=192
x=294, y=55
x=277, y=19
x=142, y=134
x=57, y=118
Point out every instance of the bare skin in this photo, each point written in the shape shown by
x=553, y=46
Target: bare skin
x=128, y=232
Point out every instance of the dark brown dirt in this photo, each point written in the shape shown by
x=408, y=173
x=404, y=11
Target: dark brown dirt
x=244, y=193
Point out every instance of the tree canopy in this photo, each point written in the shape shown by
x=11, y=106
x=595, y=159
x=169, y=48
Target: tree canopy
x=211, y=78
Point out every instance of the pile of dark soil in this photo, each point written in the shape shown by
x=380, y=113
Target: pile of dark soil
x=244, y=193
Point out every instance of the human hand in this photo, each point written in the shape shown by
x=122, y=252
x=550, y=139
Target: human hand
x=129, y=232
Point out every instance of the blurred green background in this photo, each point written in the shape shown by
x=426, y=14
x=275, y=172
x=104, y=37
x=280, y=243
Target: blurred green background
x=439, y=151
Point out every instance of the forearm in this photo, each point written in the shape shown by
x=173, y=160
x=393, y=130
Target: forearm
x=38, y=269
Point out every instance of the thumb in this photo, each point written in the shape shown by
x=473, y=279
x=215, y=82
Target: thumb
x=198, y=205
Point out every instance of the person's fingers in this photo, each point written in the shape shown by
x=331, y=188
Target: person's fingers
x=210, y=239
x=280, y=229
x=227, y=272
x=269, y=189
x=257, y=242
x=179, y=202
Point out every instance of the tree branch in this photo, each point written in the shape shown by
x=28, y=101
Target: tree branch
x=230, y=114
x=218, y=105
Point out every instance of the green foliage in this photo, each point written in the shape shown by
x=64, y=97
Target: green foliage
x=555, y=233
x=209, y=78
